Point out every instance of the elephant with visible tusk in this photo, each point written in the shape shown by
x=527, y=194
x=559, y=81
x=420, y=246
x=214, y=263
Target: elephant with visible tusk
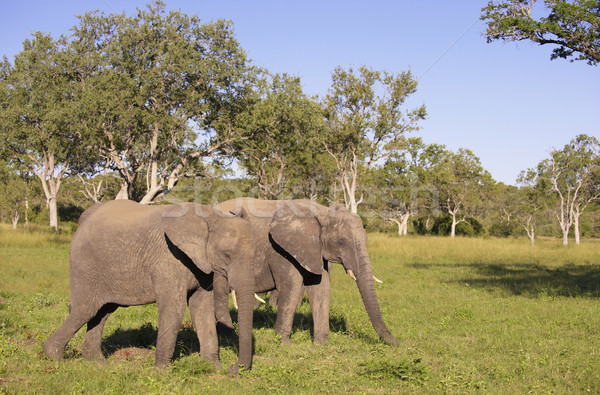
x=296, y=240
x=126, y=254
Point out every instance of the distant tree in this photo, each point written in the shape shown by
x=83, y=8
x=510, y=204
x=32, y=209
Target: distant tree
x=283, y=127
x=461, y=181
x=572, y=176
x=573, y=26
x=502, y=209
x=528, y=203
x=39, y=123
x=13, y=199
x=402, y=183
x=365, y=120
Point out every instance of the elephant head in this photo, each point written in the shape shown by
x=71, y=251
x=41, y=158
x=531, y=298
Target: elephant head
x=310, y=233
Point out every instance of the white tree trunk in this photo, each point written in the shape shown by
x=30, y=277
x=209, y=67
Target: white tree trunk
x=403, y=225
x=565, y=231
x=530, y=229
x=532, y=235
x=53, y=212
x=453, y=228
x=576, y=215
x=123, y=194
x=15, y=218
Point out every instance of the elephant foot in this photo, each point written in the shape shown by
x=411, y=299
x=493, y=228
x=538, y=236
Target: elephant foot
x=286, y=340
x=234, y=369
x=212, y=359
x=94, y=356
x=52, y=351
x=390, y=339
x=162, y=364
x=321, y=341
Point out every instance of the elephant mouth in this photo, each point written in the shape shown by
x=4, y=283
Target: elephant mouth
x=350, y=273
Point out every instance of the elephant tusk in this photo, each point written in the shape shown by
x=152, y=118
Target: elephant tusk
x=261, y=300
x=234, y=299
x=352, y=276
x=377, y=280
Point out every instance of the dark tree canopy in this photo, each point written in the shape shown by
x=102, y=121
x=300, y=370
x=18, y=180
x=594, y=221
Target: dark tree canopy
x=573, y=26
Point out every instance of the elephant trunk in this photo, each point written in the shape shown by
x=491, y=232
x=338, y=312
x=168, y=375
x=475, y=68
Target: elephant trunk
x=245, y=297
x=364, y=280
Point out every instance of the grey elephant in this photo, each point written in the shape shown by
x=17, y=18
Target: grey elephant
x=126, y=254
x=296, y=241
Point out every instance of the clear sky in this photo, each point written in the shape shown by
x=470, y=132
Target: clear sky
x=508, y=103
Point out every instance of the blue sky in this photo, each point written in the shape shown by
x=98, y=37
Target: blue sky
x=508, y=103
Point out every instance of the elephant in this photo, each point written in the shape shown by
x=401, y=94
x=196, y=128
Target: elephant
x=296, y=241
x=125, y=254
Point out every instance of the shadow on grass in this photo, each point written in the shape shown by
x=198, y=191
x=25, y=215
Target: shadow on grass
x=265, y=317
x=145, y=336
x=531, y=279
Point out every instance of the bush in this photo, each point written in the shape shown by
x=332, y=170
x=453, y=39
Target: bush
x=470, y=227
x=500, y=229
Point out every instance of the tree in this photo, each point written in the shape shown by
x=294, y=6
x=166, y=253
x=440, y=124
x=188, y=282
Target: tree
x=365, y=120
x=461, y=182
x=161, y=91
x=39, y=123
x=573, y=26
x=528, y=203
x=402, y=183
x=283, y=128
x=572, y=175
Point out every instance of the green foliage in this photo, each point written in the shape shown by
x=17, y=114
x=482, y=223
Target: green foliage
x=284, y=154
x=366, y=121
x=573, y=26
x=503, y=229
x=470, y=227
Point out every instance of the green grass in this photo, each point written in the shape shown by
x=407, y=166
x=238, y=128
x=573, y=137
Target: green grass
x=471, y=315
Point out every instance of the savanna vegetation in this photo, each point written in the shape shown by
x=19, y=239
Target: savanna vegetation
x=472, y=315
x=160, y=107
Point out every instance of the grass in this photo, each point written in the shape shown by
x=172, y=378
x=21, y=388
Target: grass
x=471, y=315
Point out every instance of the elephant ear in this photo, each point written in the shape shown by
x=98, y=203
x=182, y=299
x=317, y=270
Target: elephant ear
x=186, y=229
x=298, y=232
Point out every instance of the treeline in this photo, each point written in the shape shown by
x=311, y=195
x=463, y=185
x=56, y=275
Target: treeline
x=161, y=107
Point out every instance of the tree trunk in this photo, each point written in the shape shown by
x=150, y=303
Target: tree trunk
x=15, y=218
x=532, y=236
x=53, y=212
x=565, y=231
x=123, y=193
x=576, y=227
x=404, y=222
x=453, y=228
x=26, y=211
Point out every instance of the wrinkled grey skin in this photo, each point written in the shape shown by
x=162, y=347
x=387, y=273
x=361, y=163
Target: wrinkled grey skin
x=296, y=240
x=126, y=254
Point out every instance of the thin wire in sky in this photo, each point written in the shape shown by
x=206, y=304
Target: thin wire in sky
x=448, y=49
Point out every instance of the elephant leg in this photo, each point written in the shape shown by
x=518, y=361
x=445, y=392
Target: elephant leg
x=201, y=304
x=92, y=343
x=273, y=298
x=318, y=297
x=221, y=297
x=171, y=307
x=54, y=346
x=289, y=294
